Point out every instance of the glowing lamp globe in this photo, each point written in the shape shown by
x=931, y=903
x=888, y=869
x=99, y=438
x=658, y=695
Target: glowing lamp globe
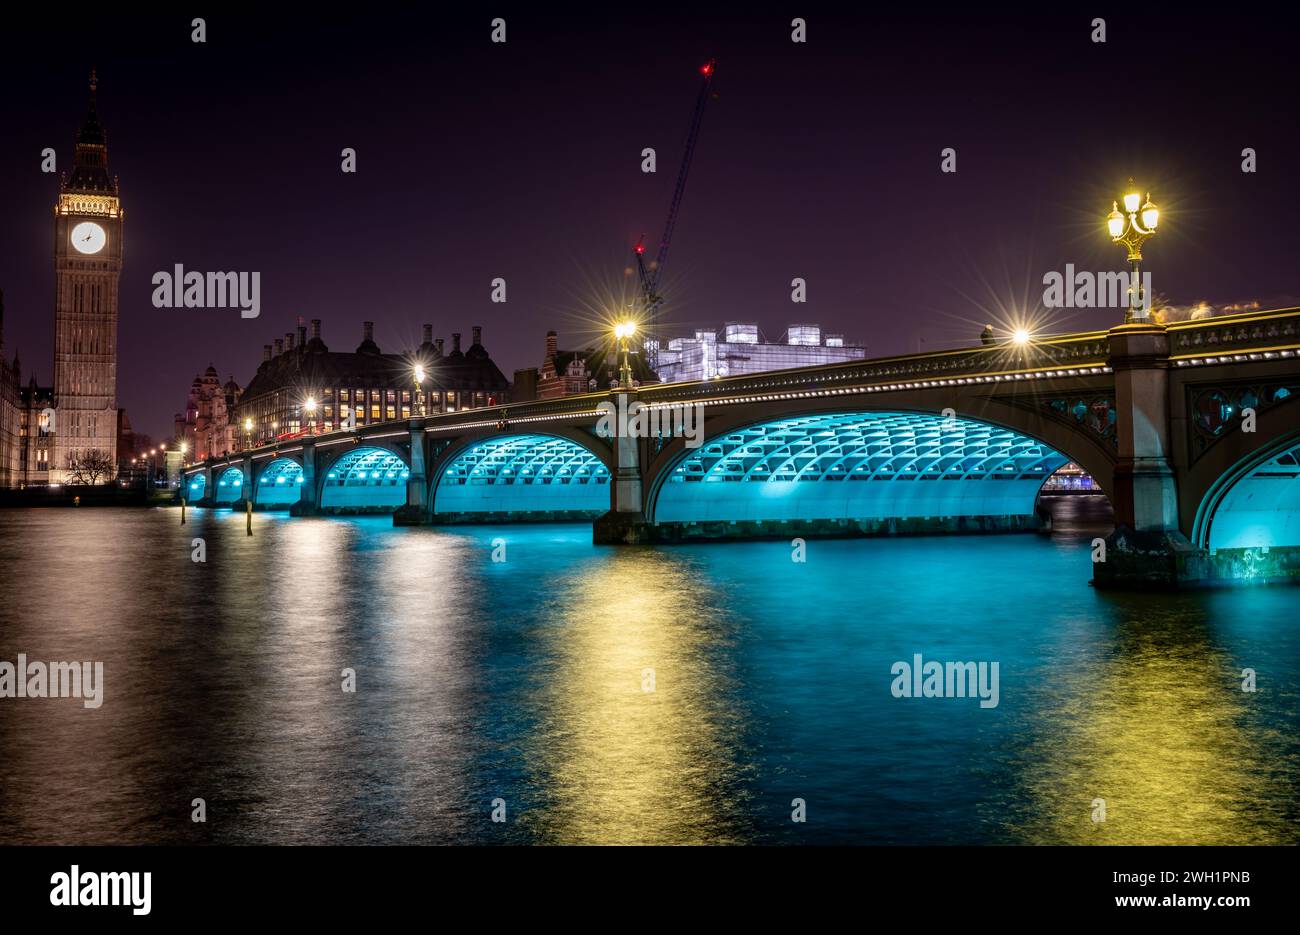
x=1150, y=216
x=1115, y=224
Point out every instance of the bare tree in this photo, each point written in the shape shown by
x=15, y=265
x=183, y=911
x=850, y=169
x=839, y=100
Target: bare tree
x=89, y=467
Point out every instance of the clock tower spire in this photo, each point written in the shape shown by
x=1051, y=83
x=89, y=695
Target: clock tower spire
x=87, y=261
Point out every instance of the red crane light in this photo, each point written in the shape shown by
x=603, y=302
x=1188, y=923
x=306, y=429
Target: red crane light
x=640, y=248
x=706, y=69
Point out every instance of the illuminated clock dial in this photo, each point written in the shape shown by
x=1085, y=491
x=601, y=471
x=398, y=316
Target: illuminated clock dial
x=88, y=237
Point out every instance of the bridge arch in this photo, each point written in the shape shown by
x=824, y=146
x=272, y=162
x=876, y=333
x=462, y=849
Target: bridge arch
x=230, y=485
x=368, y=478
x=196, y=486
x=853, y=464
x=1227, y=493
x=279, y=483
x=523, y=475
x=1256, y=503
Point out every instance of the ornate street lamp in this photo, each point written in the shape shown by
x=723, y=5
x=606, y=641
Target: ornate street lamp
x=1129, y=228
x=309, y=407
x=623, y=332
x=248, y=433
x=419, y=391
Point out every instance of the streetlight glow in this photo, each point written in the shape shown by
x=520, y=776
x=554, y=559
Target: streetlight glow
x=622, y=331
x=1021, y=336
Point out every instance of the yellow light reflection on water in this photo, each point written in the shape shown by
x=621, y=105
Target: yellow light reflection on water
x=1165, y=736
x=640, y=729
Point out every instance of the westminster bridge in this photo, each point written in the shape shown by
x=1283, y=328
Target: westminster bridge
x=1192, y=430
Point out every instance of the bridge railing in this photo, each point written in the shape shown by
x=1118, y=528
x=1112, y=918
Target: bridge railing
x=1233, y=334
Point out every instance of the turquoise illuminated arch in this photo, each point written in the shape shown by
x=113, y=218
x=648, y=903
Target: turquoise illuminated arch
x=1259, y=504
x=365, y=479
x=524, y=474
x=197, y=487
x=279, y=483
x=858, y=465
x=230, y=486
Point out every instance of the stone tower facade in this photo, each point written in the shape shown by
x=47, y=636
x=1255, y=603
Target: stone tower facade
x=87, y=262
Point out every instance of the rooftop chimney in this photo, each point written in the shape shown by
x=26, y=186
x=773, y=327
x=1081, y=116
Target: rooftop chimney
x=279, y=346
x=367, y=331
x=437, y=346
x=552, y=344
x=266, y=353
x=315, y=329
x=428, y=334
x=477, y=331
x=455, y=342
x=302, y=335
x=288, y=340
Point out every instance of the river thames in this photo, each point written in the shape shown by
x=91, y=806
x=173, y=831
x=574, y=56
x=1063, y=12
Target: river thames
x=684, y=694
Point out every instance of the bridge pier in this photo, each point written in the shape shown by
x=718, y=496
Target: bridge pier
x=625, y=523
x=1147, y=546
x=416, y=511
x=307, y=505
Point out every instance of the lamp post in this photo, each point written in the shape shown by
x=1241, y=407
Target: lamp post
x=309, y=407
x=419, y=391
x=623, y=331
x=248, y=433
x=1130, y=228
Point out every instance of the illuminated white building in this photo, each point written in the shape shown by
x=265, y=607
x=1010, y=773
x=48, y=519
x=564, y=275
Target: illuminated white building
x=739, y=349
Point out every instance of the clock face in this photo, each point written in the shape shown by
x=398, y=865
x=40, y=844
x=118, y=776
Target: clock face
x=88, y=237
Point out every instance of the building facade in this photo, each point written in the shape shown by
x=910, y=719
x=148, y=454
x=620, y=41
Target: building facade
x=739, y=349
x=47, y=432
x=209, y=426
x=10, y=418
x=304, y=387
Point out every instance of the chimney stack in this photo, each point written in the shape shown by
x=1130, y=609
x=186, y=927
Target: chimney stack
x=302, y=335
x=455, y=342
x=266, y=353
x=315, y=329
x=428, y=334
x=367, y=331
x=437, y=346
x=478, y=334
x=279, y=346
x=288, y=340
x=552, y=344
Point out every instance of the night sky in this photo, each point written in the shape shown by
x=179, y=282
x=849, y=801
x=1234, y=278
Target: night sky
x=522, y=160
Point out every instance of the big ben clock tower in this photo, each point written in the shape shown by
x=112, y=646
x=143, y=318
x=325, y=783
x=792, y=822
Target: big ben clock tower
x=87, y=261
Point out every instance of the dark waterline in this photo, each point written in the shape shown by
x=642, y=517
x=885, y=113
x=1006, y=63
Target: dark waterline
x=526, y=680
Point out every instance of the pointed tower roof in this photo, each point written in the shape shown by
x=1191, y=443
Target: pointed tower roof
x=90, y=162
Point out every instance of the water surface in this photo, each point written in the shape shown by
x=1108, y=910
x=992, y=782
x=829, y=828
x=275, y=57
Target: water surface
x=673, y=695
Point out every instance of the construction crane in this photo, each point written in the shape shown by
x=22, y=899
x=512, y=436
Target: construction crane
x=650, y=296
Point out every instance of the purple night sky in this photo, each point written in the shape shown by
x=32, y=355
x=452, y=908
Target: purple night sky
x=522, y=160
